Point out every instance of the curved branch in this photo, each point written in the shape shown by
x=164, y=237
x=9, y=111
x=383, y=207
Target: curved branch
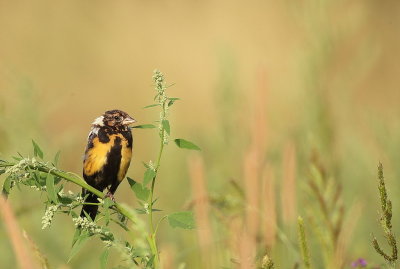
x=74, y=179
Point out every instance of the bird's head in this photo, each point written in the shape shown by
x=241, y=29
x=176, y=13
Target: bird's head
x=115, y=119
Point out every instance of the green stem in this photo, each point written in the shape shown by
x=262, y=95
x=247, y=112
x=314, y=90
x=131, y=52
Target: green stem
x=74, y=179
x=152, y=236
x=90, y=204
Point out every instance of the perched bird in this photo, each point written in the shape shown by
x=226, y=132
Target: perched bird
x=107, y=156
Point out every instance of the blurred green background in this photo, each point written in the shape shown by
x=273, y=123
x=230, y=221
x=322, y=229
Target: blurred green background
x=314, y=76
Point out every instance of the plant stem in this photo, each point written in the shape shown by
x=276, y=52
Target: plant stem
x=74, y=179
x=152, y=236
x=152, y=239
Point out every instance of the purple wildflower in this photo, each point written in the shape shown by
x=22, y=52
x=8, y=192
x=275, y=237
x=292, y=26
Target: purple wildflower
x=359, y=263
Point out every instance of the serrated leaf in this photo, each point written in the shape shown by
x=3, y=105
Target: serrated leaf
x=36, y=150
x=141, y=192
x=184, y=220
x=104, y=258
x=148, y=176
x=144, y=126
x=80, y=241
x=7, y=186
x=184, y=144
x=51, y=191
x=153, y=105
x=167, y=128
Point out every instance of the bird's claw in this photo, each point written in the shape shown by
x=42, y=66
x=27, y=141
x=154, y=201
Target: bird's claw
x=110, y=195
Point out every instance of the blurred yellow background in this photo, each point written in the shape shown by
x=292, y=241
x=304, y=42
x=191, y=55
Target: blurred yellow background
x=314, y=75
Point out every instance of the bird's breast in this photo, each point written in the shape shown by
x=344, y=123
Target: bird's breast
x=126, y=155
x=115, y=154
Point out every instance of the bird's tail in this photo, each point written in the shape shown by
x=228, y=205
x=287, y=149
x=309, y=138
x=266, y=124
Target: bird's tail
x=91, y=210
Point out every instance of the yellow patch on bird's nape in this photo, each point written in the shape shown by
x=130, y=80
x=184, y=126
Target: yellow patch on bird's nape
x=96, y=157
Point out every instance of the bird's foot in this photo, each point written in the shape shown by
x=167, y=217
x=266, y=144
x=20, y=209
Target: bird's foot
x=110, y=195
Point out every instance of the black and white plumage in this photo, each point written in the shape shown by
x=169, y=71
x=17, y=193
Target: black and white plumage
x=107, y=155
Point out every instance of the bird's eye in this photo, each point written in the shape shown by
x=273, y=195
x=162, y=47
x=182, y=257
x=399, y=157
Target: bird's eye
x=116, y=117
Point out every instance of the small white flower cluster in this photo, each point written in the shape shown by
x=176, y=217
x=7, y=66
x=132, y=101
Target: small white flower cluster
x=21, y=165
x=165, y=138
x=19, y=171
x=158, y=78
x=108, y=243
x=159, y=81
x=146, y=208
x=151, y=165
x=48, y=216
x=36, y=188
x=79, y=199
x=88, y=225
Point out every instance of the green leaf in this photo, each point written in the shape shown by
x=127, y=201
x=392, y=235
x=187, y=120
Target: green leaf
x=108, y=202
x=7, y=186
x=41, y=180
x=56, y=158
x=80, y=241
x=141, y=192
x=2, y=171
x=65, y=200
x=73, y=214
x=51, y=192
x=184, y=144
x=36, y=150
x=104, y=258
x=153, y=105
x=172, y=101
x=148, y=176
x=144, y=126
x=184, y=220
x=150, y=263
x=167, y=128
x=77, y=234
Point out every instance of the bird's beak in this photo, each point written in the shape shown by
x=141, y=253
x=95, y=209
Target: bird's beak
x=128, y=121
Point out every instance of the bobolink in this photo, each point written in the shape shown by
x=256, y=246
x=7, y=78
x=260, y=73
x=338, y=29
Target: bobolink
x=107, y=156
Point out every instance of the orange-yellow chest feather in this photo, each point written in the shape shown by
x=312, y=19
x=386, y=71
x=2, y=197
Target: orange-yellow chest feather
x=97, y=157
